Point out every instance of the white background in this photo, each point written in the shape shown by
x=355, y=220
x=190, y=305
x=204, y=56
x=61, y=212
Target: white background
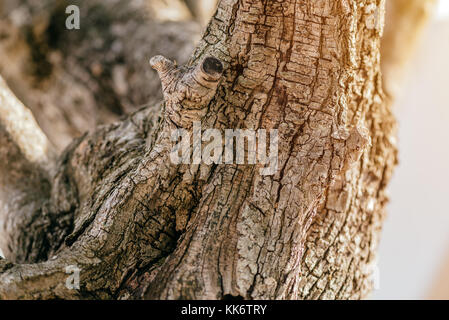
x=415, y=240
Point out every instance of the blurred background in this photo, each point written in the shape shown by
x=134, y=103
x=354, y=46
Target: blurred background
x=414, y=250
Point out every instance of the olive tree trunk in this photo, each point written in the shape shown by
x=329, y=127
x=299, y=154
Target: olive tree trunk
x=114, y=206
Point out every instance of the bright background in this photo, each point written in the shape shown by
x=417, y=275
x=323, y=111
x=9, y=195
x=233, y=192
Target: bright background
x=415, y=241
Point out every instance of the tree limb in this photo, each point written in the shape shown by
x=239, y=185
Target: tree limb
x=143, y=227
x=25, y=161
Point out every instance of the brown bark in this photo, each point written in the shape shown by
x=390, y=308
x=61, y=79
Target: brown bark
x=142, y=227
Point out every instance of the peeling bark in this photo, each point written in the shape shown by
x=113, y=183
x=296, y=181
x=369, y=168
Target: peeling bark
x=143, y=227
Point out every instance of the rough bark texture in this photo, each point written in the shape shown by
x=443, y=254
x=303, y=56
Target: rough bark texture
x=141, y=227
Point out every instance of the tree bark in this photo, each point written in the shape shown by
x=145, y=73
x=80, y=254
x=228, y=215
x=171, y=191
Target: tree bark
x=142, y=227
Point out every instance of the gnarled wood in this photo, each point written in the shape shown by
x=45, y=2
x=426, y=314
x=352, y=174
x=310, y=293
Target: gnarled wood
x=310, y=70
x=143, y=227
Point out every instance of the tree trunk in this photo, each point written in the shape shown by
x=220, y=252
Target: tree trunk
x=74, y=80
x=139, y=226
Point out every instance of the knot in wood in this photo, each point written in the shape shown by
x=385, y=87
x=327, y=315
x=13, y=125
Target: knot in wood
x=187, y=90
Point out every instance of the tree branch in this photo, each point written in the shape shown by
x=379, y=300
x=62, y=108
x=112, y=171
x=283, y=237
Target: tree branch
x=143, y=227
x=25, y=162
